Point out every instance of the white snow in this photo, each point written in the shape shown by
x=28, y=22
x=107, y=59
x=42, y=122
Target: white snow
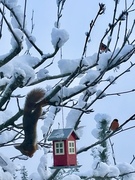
x=59, y=37
x=67, y=65
x=10, y=3
x=113, y=171
x=71, y=177
x=126, y=168
x=69, y=91
x=49, y=119
x=110, y=79
x=99, y=94
x=103, y=61
x=31, y=38
x=90, y=77
x=59, y=134
x=35, y=176
x=95, y=133
x=70, y=65
x=4, y=81
x=19, y=14
x=8, y=166
x=42, y=73
x=19, y=35
x=5, y=175
x=100, y=169
x=99, y=117
x=42, y=168
x=7, y=136
x=20, y=65
x=73, y=115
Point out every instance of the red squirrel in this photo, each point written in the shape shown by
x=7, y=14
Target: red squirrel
x=32, y=111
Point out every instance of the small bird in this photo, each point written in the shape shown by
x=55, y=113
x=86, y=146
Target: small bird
x=114, y=125
x=103, y=48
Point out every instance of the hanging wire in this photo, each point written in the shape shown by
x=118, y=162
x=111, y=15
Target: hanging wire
x=62, y=110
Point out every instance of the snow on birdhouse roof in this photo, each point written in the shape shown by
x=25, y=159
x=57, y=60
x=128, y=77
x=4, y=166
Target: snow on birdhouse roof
x=62, y=134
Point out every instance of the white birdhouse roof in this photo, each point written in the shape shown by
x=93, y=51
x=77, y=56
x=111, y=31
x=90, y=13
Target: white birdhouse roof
x=62, y=134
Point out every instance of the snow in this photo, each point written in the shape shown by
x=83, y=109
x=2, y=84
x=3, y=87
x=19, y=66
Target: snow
x=19, y=14
x=126, y=168
x=4, y=81
x=99, y=117
x=127, y=48
x=100, y=169
x=8, y=166
x=111, y=79
x=59, y=37
x=90, y=77
x=103, y=61
x=5, y=175
x=42, y=168
x=20, y=65
x=59, y=134
x=106, y=60
x=113, y=171
x=90, y=60
x=95, y=133
x=99, y=94
x=4, y=116
x=49, y=119
x=72, y=177
x=7, y=136
x=69, y=91
x=42, y=73
x=35, y=176
x=28, y=60
x=31, y=38
x=67, y=65
x=70, y=65
x=73, y=115
x=19, y=35
x=10, y=3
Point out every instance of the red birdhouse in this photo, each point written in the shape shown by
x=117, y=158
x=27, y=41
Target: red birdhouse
x=64, y=147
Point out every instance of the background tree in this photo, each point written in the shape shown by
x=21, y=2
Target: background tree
x=73, y=87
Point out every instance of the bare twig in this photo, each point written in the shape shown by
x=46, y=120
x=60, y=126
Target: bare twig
x=112, y=148
x=24, y=18
x=32, y=22
x=100, y=12
x=1, y=22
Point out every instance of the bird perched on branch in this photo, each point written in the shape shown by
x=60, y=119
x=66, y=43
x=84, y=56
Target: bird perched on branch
x=103, y=48
x=114, y=125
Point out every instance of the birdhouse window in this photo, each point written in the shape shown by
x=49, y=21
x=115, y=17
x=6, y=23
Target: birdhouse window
x=71, y=147
x=59, y=148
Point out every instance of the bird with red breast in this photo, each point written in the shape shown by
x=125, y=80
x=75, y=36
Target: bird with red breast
x=103, y=48
x=114, y=125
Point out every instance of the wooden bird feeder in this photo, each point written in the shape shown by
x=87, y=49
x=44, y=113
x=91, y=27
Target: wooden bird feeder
x=64, y=147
